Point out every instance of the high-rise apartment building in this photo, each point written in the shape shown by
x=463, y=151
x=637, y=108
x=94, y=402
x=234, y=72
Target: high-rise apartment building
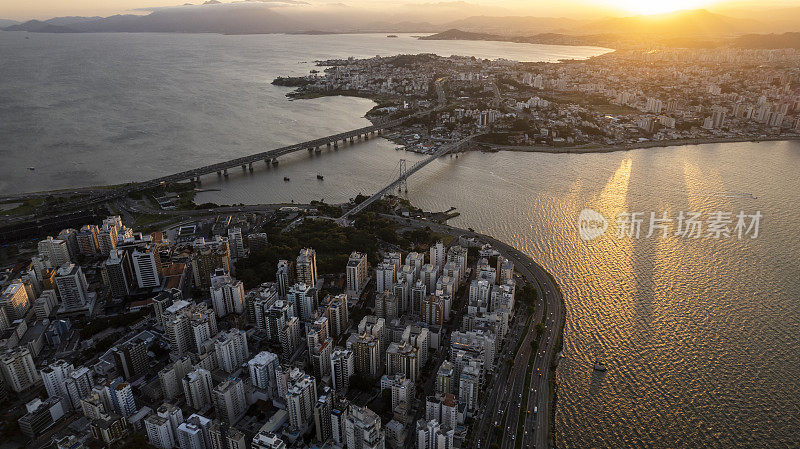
x=227, y=294
x=306, y=266
x=363, y=429
x=15, y=301
x=145, y=267
x=322, y=415
x=230, y=348
x=304, y=298
x=131, y=358
x=356, y=273
x=263, y=369
x=236, y=242
x=194, y=433
x=54, y=251
x=229, y=400
x=208, y=257
x=342, y=368
x=171, y=377
x=116, y=274
x=283, y=278
x=385, y=273
x=159, y=432
x=72, y=287
x=301, y=396
x=197, y=388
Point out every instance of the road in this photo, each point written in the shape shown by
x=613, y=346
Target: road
x=505, y=398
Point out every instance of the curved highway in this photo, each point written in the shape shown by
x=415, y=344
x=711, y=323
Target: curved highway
x=505, y=398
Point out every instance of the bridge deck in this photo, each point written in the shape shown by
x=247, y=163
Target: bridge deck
x=444, y=149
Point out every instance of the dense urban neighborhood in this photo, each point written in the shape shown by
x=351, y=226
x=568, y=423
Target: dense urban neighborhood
x=621, y=99
x=271, y=330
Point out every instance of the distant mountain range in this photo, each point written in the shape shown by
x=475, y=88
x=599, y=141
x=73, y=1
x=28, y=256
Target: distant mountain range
x=785, y=40
x=213, y=18
x=541, y=38
x=5, y=23
x=257, y=17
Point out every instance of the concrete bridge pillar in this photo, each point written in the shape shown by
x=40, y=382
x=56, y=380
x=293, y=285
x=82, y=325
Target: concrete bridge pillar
x=219, y=173
x=329, y=144
x=336, y=144
x=318, y=150
x=244, y=167
x=250, y=167
x=225, y=173
x=351, y=139
x=366, y=136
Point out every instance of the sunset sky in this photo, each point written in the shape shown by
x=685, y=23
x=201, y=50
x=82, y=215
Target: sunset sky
x=44, y=9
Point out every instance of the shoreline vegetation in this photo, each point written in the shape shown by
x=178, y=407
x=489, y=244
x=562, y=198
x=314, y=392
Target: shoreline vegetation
x=587, y=149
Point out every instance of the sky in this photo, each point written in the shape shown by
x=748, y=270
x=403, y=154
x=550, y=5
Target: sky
x=45, y=9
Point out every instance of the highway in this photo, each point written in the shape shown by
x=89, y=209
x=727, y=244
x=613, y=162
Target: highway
x=504, y=399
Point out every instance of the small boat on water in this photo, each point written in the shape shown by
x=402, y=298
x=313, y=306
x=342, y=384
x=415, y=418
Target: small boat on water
x=599, y=366
x=286, y=178
x=31, y=168
x=320, y=177
x=392, y=35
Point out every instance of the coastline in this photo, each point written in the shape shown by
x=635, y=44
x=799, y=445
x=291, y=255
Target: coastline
x=632, y=146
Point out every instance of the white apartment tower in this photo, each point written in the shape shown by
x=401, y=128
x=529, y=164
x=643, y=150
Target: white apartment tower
x=236, y=242
x=342, y=367
x=231, y=349
x=363, y=429
x=301, y=396
x=385, y=273
x=197, y=388
x=356, y=273
x=159, y=432
x=72, y=287
x=227, y=294
x=55, y=251
x=263, y=368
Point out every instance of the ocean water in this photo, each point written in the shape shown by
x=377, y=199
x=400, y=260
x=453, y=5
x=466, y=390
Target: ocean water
x=95, y=109
x=700, y=335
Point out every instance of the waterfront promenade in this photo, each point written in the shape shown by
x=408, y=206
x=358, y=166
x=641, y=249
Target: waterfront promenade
x=588, y=149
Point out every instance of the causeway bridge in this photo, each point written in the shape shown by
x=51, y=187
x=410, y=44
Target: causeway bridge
x=223, y=168
x=444, y=149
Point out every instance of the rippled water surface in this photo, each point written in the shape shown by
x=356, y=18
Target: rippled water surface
x=92, y=109
x=700, y=335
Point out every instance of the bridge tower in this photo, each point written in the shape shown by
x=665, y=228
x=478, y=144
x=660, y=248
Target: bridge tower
x=403, y=176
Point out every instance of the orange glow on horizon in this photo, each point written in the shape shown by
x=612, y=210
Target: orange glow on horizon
x=647, y=7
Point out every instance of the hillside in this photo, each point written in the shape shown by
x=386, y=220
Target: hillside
x=785, y=40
